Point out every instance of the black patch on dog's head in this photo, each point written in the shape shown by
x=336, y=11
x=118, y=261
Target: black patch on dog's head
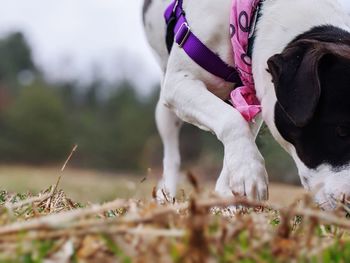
x=312, y=82
x=146, y=5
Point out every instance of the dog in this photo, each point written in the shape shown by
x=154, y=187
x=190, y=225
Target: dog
x=301, y=69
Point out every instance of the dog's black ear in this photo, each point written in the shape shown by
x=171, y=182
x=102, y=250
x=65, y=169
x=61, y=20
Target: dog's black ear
x=296, y=79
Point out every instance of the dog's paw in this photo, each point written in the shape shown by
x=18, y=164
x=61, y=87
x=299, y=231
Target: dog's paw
x=163, y=195
x=248, y=180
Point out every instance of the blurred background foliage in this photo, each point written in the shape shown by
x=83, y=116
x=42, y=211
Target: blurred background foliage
x=40, y=121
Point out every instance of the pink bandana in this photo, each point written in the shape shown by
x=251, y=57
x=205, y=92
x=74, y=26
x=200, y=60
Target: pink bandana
x=243, y=98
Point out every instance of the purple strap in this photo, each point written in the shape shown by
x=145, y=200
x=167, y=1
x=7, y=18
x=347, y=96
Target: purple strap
x=195, y=49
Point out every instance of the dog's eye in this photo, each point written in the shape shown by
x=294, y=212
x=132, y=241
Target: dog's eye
x=343, y=131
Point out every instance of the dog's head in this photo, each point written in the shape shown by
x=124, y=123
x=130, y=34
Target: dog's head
x=312, y=84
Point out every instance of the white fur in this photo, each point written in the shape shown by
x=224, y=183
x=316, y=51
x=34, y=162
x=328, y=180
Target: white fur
x=194, y=95
x=345, y=5
x=286, y=20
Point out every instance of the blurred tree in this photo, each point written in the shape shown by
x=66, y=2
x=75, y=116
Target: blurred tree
x=34, y=127
x=68, y=92
x=16, y=57
x=114, y=134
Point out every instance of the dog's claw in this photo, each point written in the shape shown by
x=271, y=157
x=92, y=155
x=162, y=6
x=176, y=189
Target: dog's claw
x=250, y=182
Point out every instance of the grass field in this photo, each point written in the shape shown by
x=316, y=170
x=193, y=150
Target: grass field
x=100, y=217
x=97, y=186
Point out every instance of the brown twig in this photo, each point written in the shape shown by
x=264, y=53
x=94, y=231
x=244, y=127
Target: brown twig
x=115, y=230
x=69, y=157
x=64, y=167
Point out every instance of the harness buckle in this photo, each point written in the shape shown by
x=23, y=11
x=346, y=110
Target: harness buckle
x=182, y=34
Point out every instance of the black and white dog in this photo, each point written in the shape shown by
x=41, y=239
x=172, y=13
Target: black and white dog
x=301, y=67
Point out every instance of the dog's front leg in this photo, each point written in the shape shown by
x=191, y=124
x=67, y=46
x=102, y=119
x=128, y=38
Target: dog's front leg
x=243, y=170
x=168, y=125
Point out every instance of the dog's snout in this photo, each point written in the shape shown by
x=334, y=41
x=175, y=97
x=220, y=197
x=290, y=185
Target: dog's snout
x=333, y=194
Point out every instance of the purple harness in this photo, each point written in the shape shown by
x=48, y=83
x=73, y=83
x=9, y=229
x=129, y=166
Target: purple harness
x=243, y=98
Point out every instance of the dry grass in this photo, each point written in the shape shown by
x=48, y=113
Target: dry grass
x=50, y=227
x=200, y=227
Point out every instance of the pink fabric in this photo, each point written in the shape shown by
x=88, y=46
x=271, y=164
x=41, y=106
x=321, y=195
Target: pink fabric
x=243, y=98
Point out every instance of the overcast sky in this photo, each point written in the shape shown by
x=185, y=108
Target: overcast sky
x=71, y=37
